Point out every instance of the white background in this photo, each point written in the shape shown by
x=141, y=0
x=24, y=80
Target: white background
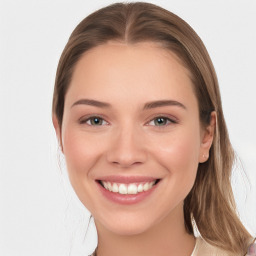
x=39, y=213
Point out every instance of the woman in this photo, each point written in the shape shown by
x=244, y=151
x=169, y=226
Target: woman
x=138, y=116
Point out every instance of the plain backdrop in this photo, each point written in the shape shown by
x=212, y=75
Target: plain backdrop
x=39, y=213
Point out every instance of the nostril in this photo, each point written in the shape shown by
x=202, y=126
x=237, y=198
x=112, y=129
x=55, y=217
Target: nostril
x=126, y=153
x=126, y=164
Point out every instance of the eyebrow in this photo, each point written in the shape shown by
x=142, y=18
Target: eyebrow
x=163, y=103
x=148, y=105
x=90, y=102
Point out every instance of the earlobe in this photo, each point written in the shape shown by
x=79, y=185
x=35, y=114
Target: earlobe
x=207, y=139
x=57, y=130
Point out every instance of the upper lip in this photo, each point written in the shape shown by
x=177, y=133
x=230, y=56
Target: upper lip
x=127, y=179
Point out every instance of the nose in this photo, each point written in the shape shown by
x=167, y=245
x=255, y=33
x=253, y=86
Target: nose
x=126, y=148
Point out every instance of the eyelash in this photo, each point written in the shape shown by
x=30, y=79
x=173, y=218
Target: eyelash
x=167, y=121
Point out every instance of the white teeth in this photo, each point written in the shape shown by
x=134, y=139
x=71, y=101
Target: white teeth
x=115, y=188
x=105, y=184
x=130, y=189
x=151, y=184
x=146, y=187
x=109, y=186
x=122, y=189
x=140, y=188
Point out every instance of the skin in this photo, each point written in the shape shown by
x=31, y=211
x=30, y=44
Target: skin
x=130, y=142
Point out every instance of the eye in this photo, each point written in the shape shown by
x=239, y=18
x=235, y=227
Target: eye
x=94, y=121
x=161, y=121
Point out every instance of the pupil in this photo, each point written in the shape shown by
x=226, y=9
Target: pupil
x=160, y=121
x=96, y=121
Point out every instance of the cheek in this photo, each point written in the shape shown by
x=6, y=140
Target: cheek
x=81, y=152
x=179, y=156
x=182, y=147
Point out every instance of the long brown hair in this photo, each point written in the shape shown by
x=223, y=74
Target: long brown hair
x=210, y=203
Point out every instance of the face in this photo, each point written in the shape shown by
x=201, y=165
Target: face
x=131, y=135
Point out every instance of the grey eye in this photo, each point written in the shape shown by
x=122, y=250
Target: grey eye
x=159, y=121
x=94, y=121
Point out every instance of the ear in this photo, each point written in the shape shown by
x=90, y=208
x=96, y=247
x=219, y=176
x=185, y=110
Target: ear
x=57, y=130
x=207, y=138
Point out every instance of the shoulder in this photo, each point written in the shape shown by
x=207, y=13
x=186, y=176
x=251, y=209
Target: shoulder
x=203, y=248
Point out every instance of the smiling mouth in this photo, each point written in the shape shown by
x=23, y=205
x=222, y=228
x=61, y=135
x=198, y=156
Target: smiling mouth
x=128, y=189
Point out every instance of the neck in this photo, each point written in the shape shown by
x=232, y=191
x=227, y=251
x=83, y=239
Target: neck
x=167, y=238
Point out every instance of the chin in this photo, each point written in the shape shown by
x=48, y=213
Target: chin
x=127, y=224
x=128, y=230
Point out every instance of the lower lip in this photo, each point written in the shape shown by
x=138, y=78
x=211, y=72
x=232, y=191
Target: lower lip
x=126, y=199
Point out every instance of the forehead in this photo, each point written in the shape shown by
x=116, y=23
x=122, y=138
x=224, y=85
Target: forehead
x=142, y=70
